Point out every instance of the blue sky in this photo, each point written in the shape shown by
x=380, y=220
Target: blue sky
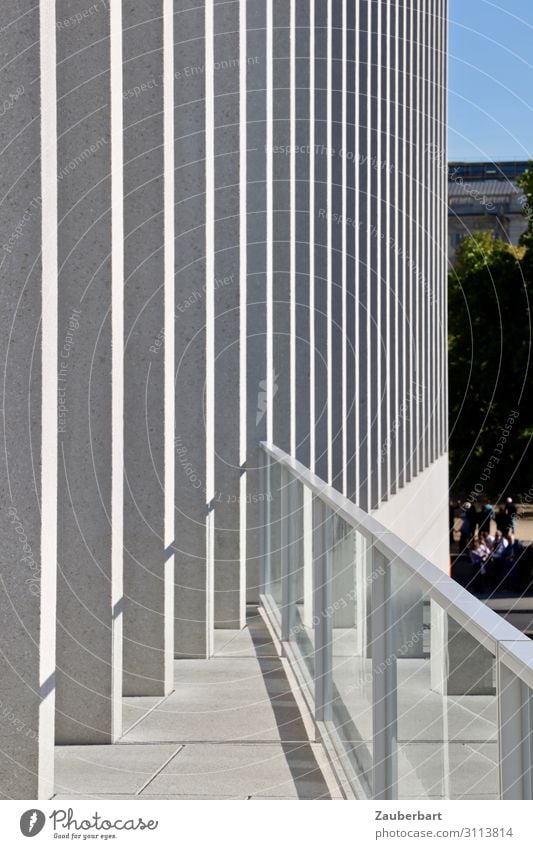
x=491, y=79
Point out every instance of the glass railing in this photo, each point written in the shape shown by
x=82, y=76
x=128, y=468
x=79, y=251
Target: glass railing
x=418, y=688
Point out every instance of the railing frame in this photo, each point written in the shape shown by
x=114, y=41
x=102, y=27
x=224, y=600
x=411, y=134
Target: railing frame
x=513, y=650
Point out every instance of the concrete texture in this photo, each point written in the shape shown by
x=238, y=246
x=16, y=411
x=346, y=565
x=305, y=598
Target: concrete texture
x=229, y=699
x=96, y=769
x=229, y=600
x=418, y=513
x=28, y=555
x=192, y=623
x=148, y=583
x=256, y=287
x=302, y=248
x=337, y=316
x=89, y=611
x=135, y=708
x=231, y=729
x=281, y=218
x=319, y=241
x=286, y=771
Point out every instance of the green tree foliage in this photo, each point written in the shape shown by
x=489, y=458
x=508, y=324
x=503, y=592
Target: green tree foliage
x=490, y=365
x=526, y=183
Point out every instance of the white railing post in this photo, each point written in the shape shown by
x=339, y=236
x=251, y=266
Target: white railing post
x=515, y=715
x=322, y=572
x=384, y=682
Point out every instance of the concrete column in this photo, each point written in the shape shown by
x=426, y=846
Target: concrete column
x=229, y=570
x=337, y=244
x=148, y=579
x=374, y=388
x=281, y=138
x=362, y=263
x=302, y=155
x=90, y=544
x=350, y=337
x=385, y=350
x=28, y=217
x=410, y=186
x=319, y=385
x=193, y=618
x=460, y=665
x=395, y=178
x=256, y=278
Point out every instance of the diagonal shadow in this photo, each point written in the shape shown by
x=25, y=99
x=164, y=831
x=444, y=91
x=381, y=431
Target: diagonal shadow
x=299, y=755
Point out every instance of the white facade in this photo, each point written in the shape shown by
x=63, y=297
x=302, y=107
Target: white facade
x=253, y=249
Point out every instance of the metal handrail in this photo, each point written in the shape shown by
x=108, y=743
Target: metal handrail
x=487, y=627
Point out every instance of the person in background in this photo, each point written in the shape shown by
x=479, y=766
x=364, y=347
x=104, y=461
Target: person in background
x=510, y=510
x=452, y=512
x=483, y=548
x=478, y=553
x=487, y=516
x=499, y=546
x=466, y=525
x=477, y=517
x=511, y=566
x=501, y=519
x=494, y=567
x=487, y=539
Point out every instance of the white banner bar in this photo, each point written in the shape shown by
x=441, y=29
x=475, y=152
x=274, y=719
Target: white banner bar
x=142, y=822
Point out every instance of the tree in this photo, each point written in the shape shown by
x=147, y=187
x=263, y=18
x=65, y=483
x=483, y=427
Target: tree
x=526, y=183
x=490, y=370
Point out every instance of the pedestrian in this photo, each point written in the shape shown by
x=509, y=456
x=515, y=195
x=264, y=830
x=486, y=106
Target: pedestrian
x=510, y=565
x=510, y=510
x=501, y=519
x=499, y=546
x=487, y=515
x=467, y=529
x=452, y=510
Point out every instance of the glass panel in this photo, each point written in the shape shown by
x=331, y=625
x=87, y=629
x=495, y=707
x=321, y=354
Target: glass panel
x=446, y=701
x=272, y=537
x=441, y=703
x=351, y=708
x=301, y=630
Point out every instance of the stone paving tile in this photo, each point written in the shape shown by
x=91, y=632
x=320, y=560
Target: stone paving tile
x=89, y=796
x=241, y=644
x=288, y=771
x=145, y=797
x=197, y=796
x=135, y=707
x=230, y=730
x=225, y=699
x=284, y=799
x=112, y=769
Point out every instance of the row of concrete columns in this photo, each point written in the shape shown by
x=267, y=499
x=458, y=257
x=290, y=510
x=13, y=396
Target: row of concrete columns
x=88, y=270
x=124, y=347
x=177, y=288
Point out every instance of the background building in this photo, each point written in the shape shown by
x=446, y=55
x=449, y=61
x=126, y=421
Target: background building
x=484, y=196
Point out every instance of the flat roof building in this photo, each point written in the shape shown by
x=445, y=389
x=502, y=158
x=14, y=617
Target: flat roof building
x=484, y=196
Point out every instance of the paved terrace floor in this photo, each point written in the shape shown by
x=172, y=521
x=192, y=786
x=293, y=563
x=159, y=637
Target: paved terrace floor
x=231, y=729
